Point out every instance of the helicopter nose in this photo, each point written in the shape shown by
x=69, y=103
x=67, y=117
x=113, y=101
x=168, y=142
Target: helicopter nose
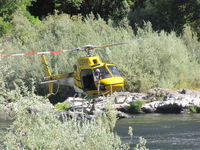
x=113, y=84
x=116, y=87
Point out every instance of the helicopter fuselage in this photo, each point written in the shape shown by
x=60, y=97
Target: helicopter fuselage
x=94, y=77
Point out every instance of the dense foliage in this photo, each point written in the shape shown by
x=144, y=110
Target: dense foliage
x=151, y=59
x=9, y=8
x=47, y=131
x=170, y=15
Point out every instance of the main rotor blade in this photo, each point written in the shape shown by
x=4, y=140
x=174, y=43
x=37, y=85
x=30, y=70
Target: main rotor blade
x=40, y=53
x=87, y=47
x=110, y=45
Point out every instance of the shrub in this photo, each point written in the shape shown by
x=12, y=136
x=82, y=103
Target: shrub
x=62, y=106
x=111, y=114
x=4, y=26
x=46, y=131
x=193, y=109
x=135, y=107
x=141, y=145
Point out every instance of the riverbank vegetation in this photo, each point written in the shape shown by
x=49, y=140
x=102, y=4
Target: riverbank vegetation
x=47, y=131
x=151, y=59
x=135, y=107
x=165, y=57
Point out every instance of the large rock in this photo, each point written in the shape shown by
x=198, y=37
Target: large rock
x=150, y=107
x=127, y=97
x=173, y=103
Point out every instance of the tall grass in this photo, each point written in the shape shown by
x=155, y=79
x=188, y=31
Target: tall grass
x=151, y=59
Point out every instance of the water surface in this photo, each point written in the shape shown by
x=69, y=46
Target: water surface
x=163, y=132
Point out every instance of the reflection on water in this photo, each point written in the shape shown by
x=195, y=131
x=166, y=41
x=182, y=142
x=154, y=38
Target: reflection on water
x=163, y=132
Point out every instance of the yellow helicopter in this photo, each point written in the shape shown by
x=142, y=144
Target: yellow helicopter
x=90, y=76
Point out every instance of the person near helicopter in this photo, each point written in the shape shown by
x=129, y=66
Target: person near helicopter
x=98, y=74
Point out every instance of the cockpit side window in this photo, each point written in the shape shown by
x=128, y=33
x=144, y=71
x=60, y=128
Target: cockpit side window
x=87, y=80
x=114, y=70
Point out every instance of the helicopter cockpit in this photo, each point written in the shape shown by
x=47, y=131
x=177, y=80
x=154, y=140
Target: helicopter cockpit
x=113, y=69
x=103, y=72
x=90, y=76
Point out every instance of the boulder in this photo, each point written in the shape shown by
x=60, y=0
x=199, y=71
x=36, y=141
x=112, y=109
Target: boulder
x=150, y=107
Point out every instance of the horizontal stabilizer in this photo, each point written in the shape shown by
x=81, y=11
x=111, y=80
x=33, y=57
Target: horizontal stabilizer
x=47, y=82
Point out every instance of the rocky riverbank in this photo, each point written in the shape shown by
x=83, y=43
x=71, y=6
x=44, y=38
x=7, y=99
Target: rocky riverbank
x=154, y=101
x=166, y=101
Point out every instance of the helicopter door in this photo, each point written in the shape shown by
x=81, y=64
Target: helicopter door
x=87, y=80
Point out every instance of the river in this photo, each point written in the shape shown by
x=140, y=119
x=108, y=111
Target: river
x=162, y=132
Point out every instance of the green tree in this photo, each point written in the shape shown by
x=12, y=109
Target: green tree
x=170, y=15
x=191, y=10
x=107, y=9
x=8, y=9
x=163, y=14
x=4, y=26
x=42, y=8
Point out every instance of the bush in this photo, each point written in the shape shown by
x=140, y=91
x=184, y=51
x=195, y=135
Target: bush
x=135, y=107
x=46, y=131
x=193, y=109
x=62, y=106
x=4, y=26
x=142, y=144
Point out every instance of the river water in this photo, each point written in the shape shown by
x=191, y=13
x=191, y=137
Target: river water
x=162, y=132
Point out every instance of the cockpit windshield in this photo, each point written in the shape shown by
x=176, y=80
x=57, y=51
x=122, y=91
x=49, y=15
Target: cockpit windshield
x=114, y=70
x=101, y=73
